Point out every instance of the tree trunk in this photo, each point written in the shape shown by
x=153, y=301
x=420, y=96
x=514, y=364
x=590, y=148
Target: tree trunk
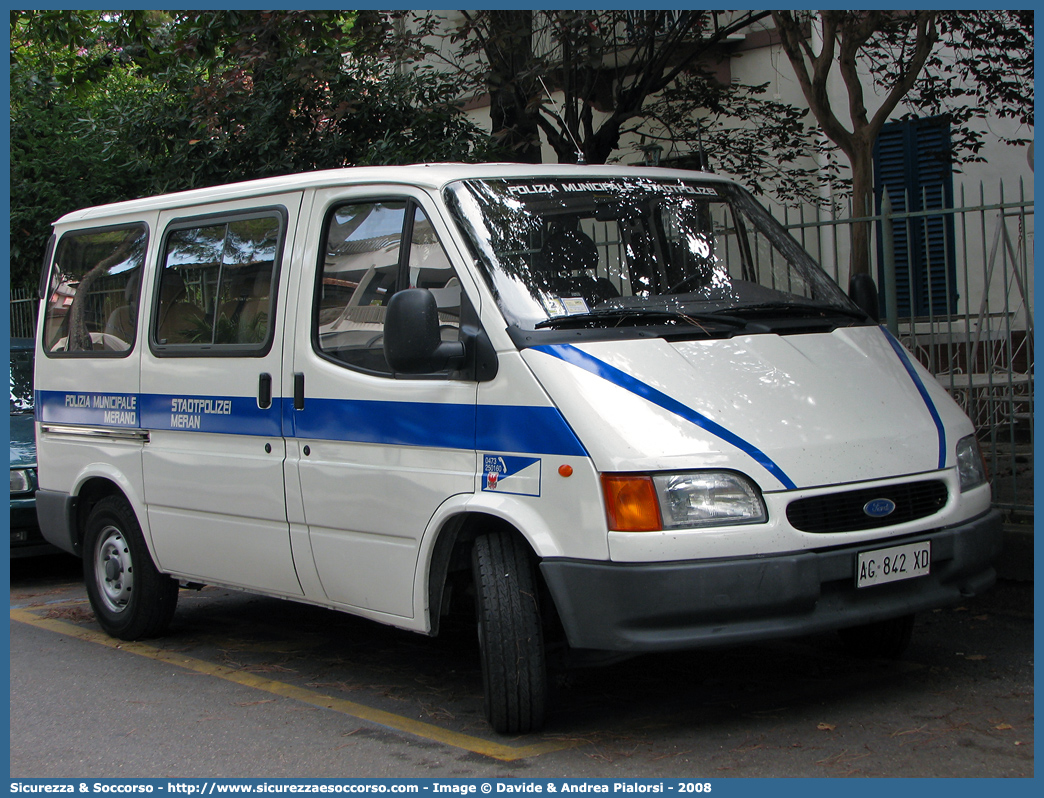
x=79, y=335
x=509, y=52
x=862, y=206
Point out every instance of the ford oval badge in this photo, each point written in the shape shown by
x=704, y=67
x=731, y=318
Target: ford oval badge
x=879, y=508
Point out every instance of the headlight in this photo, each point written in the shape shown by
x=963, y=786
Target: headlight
x=646, y=503
x=707, y=498
x=21, y=480
x=971, y=468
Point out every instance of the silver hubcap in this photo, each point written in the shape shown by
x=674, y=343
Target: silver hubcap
x=114, y=570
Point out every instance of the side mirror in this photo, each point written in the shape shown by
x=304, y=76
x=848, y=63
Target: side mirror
x=863, y=292
x=412, y=340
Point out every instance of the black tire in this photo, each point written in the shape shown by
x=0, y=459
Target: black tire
x=130, y=598
x=514, y=669
x=879, y=640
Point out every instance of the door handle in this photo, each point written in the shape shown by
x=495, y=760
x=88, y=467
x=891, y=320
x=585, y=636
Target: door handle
x=298, y=391
x=264, y=391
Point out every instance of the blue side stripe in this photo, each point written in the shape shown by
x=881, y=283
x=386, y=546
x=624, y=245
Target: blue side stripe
x=233, y=415
x=91, y=408
x=570, y=354
x=534, y=430
x=392, y=423
x=904, y=357
x=498, y=428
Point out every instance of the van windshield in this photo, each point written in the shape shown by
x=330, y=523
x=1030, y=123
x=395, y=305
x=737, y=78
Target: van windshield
x=636, y=252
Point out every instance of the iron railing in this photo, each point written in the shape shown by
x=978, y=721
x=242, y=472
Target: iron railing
x=982, y=350
x=24, y=305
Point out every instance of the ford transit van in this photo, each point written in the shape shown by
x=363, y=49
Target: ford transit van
x=600, y=409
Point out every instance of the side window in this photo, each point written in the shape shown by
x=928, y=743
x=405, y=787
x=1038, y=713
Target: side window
x=216, y=285
x=371, y=250
x=92, y=296
x=429, y=267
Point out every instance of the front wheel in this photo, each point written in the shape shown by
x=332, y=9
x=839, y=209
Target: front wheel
x=130, y=598
x=514, y=670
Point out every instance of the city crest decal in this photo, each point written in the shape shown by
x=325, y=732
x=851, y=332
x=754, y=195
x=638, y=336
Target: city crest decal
x=502, y=473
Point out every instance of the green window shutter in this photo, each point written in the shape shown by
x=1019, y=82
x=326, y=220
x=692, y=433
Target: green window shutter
x=911, y=160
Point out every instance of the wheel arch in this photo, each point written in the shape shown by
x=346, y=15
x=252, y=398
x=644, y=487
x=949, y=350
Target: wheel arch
x=448, y=560
x=91, y=490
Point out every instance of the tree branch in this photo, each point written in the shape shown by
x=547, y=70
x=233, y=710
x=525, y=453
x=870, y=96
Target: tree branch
x=849, y=51
x=926, y=38
x=814, y=86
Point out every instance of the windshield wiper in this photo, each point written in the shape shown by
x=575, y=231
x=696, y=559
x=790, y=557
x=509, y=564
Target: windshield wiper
x=620, y=315
x=799, y=309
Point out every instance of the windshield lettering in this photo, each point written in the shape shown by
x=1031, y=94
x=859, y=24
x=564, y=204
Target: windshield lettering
x=651, y=252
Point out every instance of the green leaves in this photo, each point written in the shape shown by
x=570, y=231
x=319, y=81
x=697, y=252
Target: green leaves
x=107, y=106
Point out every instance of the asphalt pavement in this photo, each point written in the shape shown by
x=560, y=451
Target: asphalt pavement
x=248, y=687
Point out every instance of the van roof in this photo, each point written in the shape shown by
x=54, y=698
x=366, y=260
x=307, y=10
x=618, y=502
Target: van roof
x=428, y=176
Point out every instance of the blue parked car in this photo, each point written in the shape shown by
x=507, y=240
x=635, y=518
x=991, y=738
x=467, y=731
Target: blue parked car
x=26, y=539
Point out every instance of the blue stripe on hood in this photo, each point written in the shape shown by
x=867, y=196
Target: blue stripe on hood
x=570, y=354
x=904, y=357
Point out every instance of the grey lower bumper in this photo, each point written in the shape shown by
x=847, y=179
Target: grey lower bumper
x=56, y=513
x=638, y=607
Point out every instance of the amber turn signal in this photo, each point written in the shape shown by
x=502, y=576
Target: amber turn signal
x=630, y=503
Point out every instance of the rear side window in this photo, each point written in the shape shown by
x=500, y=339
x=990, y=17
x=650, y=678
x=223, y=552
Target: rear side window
x=217, y=286
x=93, y=293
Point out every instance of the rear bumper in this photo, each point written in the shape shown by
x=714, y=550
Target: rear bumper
x=638, y=607
x=55, y=512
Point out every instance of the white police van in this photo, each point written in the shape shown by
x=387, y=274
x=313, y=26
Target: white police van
x=605, y=409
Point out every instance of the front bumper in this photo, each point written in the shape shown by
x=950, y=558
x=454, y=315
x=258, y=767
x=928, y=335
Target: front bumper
x=637, y=607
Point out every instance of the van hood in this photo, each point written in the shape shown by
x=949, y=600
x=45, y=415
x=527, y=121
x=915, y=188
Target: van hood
x=795, y=411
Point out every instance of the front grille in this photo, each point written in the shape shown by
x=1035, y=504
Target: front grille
x=843, y=512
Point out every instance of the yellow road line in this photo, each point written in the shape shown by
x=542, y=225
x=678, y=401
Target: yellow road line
x=50, y=606
x=428, y=731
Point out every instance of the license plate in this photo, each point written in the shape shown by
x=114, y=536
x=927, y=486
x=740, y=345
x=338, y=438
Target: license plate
x=892, y=564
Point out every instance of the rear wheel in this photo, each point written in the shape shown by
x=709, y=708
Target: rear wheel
x=514, y=670
x=130, y=598
x=881, y=639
